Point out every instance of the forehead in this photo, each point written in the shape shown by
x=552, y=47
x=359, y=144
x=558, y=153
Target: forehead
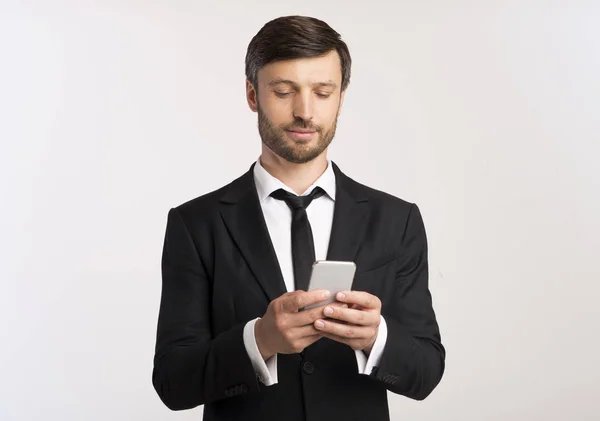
x=304, y=71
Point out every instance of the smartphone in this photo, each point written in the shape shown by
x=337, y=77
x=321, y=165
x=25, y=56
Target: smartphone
x=334, y=276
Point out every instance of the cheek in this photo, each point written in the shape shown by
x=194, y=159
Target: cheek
x=278, y=114
x=329, y=115
x=328, y=109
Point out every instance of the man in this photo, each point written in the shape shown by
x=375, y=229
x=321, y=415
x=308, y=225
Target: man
x=232, y=332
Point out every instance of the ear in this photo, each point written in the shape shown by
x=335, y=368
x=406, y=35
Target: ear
x=251, y=96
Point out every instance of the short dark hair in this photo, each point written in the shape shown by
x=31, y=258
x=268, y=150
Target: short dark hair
x=291, y=37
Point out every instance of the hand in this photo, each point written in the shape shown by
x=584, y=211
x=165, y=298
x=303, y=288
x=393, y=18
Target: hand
x=357, y=325
x=285, y=330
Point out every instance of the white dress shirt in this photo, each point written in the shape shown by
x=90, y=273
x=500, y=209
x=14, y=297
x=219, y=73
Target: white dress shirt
x=278, y=217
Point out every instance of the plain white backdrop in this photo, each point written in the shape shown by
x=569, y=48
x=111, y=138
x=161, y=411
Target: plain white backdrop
x=484, y=113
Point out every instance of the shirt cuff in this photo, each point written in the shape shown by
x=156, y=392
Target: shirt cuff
x=366, y=365
x=266, y=371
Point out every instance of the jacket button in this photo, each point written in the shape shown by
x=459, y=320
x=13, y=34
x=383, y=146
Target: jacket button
x=308, y=367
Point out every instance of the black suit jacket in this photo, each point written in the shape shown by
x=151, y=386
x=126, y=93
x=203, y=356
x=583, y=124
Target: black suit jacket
x=220, y=271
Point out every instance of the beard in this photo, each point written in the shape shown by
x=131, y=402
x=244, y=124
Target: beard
x=294, y=151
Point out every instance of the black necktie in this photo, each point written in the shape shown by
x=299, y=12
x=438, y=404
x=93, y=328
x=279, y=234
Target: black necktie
x=303, y=247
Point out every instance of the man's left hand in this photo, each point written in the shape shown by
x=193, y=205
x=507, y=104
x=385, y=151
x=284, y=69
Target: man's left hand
x=357, y=325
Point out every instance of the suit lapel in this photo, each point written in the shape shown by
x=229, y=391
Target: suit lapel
x=244, y=219
x=349, y=218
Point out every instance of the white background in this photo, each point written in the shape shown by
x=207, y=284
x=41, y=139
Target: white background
x=484, y=113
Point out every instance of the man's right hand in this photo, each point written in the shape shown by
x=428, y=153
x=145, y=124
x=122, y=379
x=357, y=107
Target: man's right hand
x=285, y=330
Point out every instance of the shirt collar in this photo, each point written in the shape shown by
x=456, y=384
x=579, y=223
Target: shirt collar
x=267, y=184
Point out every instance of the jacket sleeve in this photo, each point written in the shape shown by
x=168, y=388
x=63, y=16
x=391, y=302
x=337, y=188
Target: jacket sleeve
x=413, y=361
x=192, y=366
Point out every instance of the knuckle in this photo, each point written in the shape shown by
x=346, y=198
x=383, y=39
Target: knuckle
x=336, y=306
x=281, y=323
x=360, y=317
x=278, y=305
x=287, y=336
x=287, y=302
x=350, y=332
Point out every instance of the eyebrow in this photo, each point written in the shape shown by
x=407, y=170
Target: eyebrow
x=277, y=81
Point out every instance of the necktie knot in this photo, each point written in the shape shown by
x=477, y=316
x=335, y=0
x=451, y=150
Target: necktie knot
x=297, y=202
x=303, y=247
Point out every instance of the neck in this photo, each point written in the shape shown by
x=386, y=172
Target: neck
x=297, y=177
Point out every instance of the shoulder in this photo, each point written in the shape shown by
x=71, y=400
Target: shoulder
x=394, y=211
x=376, y=196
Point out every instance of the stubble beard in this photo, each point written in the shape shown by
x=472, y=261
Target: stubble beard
x=295, y=151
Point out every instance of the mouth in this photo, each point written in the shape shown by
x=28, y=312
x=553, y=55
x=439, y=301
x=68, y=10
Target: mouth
x=301, y=135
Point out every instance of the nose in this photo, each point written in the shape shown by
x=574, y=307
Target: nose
x=303, y=107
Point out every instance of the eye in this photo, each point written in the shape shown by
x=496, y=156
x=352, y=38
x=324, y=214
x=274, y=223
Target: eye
x=321, y=95
x=282, y=94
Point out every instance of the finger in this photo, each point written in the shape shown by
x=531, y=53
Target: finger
x=308, y=317
x=354, y=316
x=299, y=345
x=285, y=302
x=312, y=298
x=333, y=304
x=360, y=298
x=343, y=330
x=307, y=340
x=294, y=301
x=302, y=332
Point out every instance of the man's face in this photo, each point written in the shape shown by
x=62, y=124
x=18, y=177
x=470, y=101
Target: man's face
x=298, y=104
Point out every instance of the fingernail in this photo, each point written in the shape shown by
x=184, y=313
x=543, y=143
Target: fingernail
x=328, y=311
x=326, y=294
x=341, y=296
x=320, y=324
